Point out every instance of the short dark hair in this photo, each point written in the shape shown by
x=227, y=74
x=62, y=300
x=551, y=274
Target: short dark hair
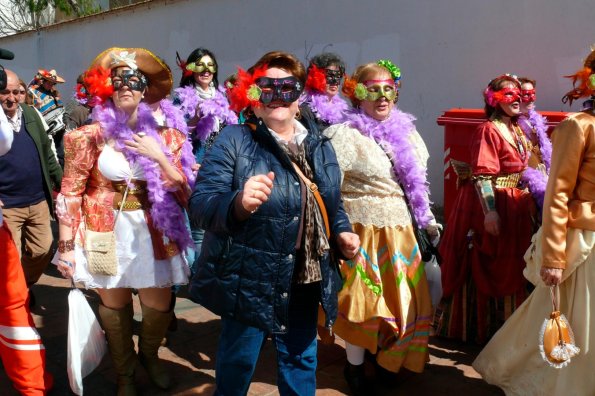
x=326, y=59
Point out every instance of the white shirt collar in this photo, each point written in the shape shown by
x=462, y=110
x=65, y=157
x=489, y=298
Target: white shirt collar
x=16, y=120
x=300, y=133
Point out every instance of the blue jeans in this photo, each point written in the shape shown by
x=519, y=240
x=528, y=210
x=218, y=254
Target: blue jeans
x=198, y=235
x=239, y=347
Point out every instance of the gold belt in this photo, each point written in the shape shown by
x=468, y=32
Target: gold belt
x=137, y=187
x=510, y=180
x=137, y=197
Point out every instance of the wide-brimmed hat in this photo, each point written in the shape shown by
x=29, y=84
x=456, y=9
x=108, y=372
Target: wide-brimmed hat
x=160, y=81
x=50, y=75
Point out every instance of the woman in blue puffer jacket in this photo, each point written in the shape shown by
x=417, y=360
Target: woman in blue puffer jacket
x=265, y=264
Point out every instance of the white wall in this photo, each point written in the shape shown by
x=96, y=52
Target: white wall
x=447, y=50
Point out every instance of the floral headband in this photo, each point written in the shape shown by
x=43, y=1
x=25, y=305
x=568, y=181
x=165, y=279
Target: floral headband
x=358, y=91
x=394, y=71
x=245, y=93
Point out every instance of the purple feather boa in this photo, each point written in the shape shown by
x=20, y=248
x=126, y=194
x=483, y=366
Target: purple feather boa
x=536, y=122
x=332, y=112
x=166, y=214
x=394, y=136
x=174, y=118
x=209, y=110
x=536, y=181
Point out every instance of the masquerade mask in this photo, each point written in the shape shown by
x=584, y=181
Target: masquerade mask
x=333, y=77
x=508, y=95
x=528, y=95
x=201, y=67
x=132, y=79
x=286, y=89
x=505, y=95
x=377, y=89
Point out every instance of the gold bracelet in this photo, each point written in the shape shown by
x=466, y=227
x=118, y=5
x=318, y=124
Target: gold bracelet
x=66, y=246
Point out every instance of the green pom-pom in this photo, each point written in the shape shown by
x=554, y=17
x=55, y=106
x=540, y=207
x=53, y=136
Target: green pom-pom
x=394, y=71
x=361, y=92
x=591, y=82
x=254, y=92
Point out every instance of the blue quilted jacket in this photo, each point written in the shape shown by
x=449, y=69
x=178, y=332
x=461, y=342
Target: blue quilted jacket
x=245, y=268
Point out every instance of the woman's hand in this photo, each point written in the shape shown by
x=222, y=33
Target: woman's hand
x=146, y=146
x=66, y=264
x=348, y=243
x=257, y=190
x=491, y=223
x=551, y=276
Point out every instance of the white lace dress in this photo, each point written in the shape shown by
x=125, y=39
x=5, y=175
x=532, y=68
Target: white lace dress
x=385, y=304
x=137, y=267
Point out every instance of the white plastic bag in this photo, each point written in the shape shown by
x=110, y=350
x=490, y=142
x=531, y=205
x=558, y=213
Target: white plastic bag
x=434, y=276
x=86, y=341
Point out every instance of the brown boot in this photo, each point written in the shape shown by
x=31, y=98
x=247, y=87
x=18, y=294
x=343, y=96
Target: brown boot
x=117, y=325
x=153, y=329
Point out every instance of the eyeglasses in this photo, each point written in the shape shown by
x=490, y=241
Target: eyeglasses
x=15, y=92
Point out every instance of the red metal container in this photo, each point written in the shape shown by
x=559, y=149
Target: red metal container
x=459, y=126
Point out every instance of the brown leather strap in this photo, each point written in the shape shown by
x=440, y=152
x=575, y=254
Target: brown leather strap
x=314, y=189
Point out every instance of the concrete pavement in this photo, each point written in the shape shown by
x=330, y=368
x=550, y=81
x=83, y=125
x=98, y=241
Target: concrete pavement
x=190, y=355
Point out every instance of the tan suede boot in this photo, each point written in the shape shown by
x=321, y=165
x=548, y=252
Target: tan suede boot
x=153, y=329
x=117, y=325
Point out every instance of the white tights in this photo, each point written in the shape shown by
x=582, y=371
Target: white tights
x=355, y=354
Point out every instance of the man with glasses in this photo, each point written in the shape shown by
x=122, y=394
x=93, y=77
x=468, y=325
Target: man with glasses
x=28, y=173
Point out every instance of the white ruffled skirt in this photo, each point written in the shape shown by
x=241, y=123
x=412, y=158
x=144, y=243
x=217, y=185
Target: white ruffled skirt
x=137, y=266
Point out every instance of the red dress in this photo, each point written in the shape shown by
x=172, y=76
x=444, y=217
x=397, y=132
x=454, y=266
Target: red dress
x=482, y=275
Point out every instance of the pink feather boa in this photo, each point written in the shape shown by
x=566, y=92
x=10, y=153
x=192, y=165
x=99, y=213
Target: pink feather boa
x=394, y=136
x=536, y=122
x=535, y=179
x=174, y=118
x=209, y=111
x=332, y=112
x=166, y=213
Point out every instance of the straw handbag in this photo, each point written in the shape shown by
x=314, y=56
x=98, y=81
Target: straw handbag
x=100, y=248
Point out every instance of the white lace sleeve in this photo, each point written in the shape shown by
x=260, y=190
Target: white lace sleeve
x=420, y=148
x=342, y=141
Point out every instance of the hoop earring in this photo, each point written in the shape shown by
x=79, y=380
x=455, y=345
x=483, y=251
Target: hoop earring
x=298, y=115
